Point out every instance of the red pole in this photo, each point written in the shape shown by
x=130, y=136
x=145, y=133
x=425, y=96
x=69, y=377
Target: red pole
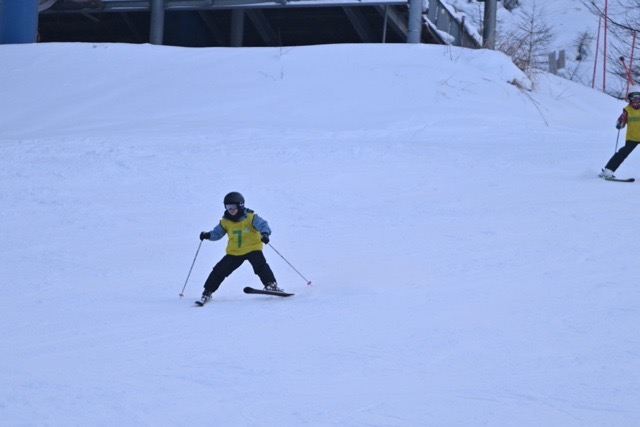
x=626, y=71
x=595, y=62
x=633, y=48
x=604, y=62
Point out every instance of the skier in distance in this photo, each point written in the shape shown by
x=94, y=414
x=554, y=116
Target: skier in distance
x=631, y=118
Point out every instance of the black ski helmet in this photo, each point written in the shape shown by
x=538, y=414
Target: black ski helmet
x=234, y=198
x=634, y=93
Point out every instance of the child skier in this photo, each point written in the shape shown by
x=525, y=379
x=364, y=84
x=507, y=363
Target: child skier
x=631, y=116
x=246, y=232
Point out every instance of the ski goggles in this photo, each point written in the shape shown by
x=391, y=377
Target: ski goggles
x=231, y=207
x=634, y=97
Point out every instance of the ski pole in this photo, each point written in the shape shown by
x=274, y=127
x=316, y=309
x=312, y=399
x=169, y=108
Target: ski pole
x=189, y=274
x=617, y=139
x=290, y=265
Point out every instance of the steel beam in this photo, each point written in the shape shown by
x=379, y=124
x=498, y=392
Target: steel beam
x=213, y=28
x=360, y=24
x=393, y=19
x=266, y=31
x=106, y=6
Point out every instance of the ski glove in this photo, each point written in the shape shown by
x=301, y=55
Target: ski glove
x=265, y=238
x=205, y=235
x=619, y=125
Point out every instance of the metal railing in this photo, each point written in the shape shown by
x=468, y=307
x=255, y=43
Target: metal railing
x=441, y=18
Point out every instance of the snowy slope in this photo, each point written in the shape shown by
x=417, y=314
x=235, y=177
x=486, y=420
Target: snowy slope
x=468, y=267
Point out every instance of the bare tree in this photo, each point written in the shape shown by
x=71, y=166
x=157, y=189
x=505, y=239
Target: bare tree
x=623, y=14
x=620, y=51
x=528, y=43
x=623, y=20
x=582, y=44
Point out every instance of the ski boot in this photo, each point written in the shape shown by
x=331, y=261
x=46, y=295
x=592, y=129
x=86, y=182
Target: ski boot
x=273, y=287
x=206, y=297
x=606, y=174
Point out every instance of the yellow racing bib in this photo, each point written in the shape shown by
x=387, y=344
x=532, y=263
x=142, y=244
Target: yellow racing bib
x=243, y=238
x=633, y=124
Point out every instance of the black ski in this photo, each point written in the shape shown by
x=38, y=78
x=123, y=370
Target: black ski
x=250, y=290
x=620, y=179
x=199, y=303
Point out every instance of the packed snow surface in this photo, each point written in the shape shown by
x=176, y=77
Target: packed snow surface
x=467, y=265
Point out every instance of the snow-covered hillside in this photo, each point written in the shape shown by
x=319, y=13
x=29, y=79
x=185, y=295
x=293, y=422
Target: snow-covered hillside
x=468, y=267
x=568, y=22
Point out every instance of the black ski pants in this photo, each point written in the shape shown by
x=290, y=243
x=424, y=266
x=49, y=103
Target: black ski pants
x=617, y=159
x=229, y=263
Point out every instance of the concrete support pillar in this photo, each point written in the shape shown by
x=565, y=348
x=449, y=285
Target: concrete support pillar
x=237, y=27
x=489, y=30
x=18, y=21
x=156, y=26
x=414, y=34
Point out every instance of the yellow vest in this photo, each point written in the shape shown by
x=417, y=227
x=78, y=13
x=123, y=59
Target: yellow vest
x=243, y=238
x=633, y=124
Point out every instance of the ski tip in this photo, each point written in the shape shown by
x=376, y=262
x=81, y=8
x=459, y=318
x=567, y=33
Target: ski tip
x=620, y=179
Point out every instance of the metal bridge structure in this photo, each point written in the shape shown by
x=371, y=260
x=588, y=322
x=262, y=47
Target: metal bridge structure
x=237, y=22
